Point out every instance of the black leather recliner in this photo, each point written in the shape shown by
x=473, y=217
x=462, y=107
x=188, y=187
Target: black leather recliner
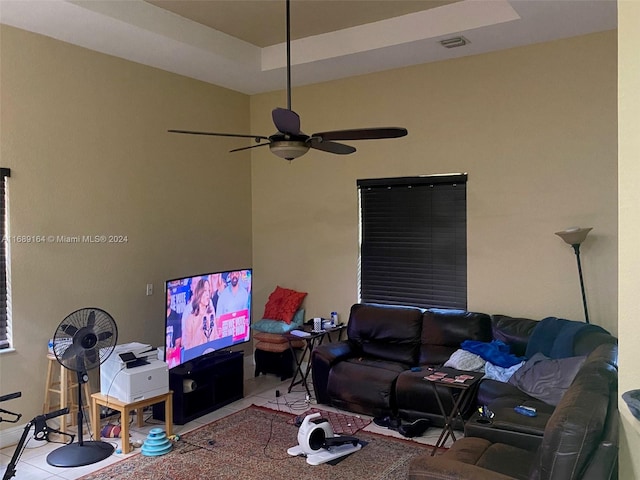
x=370, y=373
x=360, y=374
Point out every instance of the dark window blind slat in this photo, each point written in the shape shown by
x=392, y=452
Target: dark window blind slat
x=4, y=342
x=414, y=241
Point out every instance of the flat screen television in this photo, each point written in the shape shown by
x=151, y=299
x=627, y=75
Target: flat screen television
x=206, y=313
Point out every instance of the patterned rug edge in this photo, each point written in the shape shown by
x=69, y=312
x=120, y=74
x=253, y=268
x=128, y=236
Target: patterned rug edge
x=271, y=411
x=193, y=430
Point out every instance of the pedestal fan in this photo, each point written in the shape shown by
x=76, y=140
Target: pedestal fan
x=82, y=341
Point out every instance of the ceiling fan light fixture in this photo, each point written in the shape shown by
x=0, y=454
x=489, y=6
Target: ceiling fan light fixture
x=289, y=149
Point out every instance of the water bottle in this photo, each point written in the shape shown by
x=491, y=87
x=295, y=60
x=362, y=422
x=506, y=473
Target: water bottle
x=334, y=318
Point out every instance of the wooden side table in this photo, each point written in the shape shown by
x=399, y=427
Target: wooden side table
x=125, y=410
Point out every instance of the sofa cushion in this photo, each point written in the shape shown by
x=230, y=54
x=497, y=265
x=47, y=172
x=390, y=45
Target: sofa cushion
x=364, y=385
x=555, y=337
x=507, y=460
x=490, y=390
x=545, y=378
x=271, y=338
x=387, y=333
x=279, y=326
x=513, y=331
x=444, y=330
x=473, y=458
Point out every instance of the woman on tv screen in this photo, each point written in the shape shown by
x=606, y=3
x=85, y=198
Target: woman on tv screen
x=200, y=323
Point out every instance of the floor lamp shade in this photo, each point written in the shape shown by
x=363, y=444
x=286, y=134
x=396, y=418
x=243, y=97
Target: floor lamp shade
x=574, y=236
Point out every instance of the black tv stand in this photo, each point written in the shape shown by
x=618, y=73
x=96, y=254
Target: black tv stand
x=218, y=380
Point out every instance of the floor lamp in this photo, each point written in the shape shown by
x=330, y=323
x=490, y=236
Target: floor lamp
x=574, y=236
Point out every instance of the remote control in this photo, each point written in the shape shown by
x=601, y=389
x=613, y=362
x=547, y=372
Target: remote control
x=528, y=411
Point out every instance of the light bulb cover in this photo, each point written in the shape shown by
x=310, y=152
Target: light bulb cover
x=574, y=235
x=289, y=149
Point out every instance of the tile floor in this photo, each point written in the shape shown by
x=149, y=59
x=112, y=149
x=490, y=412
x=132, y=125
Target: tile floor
x=259, y=391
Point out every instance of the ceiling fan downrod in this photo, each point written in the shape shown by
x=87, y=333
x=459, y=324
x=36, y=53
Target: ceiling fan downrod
x=288, y=6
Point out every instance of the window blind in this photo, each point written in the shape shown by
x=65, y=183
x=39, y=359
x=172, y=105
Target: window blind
x=4, y=286
x=414, y=241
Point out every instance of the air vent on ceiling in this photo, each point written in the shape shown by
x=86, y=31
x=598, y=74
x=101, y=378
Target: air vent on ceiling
x=454, y=42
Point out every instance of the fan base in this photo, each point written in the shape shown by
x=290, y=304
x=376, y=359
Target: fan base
x=76, y=455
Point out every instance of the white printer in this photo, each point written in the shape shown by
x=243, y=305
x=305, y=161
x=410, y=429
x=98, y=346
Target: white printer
x=133, y=373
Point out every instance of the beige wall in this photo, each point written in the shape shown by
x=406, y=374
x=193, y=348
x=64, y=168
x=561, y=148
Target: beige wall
x=534, y=127
x=85, y=137
x=84, y=134
x=629, y=199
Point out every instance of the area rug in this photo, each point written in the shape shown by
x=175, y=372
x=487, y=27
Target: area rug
x=341, y=424
x=252, y=445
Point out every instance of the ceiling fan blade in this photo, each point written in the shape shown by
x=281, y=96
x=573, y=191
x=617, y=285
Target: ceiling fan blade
x=247, y=148
x=332, y=147
x=257, y=138
x=362, y=134
x=286, y=121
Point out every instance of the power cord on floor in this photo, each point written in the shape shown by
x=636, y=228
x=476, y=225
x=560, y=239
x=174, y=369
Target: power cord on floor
x=273, y=417
x=296, y=405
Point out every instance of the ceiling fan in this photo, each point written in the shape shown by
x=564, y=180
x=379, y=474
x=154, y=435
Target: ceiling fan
x=289, y=142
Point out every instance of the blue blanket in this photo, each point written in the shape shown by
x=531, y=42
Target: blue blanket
x=554, y=337
x=496, y=352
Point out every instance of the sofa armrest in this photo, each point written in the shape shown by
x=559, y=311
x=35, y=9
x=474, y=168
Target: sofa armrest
x=330, y=353
x=426, y=467
x=322, y=359
x=510, y=428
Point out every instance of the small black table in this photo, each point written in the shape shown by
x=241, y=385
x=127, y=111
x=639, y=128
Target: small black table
x=311, y=341
x=455, y=381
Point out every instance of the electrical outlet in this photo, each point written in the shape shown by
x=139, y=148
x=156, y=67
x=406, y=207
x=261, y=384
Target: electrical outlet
x=149, y=289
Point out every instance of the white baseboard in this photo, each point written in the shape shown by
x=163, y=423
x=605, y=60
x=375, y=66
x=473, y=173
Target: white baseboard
x=11, y=436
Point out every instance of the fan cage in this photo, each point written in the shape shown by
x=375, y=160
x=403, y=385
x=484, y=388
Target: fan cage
x=85, y=339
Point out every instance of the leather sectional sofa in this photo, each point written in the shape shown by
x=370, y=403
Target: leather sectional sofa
x=373, y=371
x=579, y=440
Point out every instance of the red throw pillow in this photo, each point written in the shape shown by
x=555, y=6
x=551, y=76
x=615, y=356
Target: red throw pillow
x=283, y=304
x=291, y=304
x=272, y=308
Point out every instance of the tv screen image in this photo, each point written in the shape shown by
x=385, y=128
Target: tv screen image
x=206, y=313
